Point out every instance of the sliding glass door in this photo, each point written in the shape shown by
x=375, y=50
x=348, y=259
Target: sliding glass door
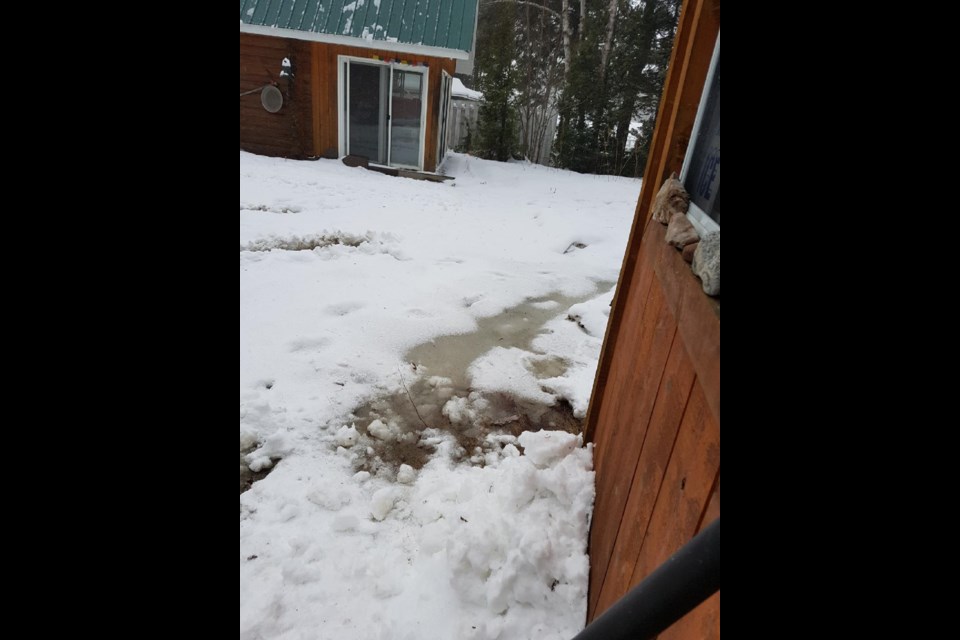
x=384, y=114
x=367, y=111
x=405, y=118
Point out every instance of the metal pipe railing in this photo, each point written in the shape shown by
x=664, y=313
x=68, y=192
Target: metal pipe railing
x=687, y=578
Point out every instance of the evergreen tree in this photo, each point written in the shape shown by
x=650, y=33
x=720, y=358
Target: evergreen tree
x=616, y=79
x=496, y=76
x=645, y=56
x=592, y=68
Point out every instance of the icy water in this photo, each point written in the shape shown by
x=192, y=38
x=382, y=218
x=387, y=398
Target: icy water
x=437, y=373
x=451, y=356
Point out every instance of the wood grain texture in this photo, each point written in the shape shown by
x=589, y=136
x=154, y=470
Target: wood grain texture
x=639, y=373
x=687, y=485
x=648, y=478
x=289, y=132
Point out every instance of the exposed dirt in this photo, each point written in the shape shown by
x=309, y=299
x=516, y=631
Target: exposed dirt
x=409, y=413
x=248, y=477
x=306, y=243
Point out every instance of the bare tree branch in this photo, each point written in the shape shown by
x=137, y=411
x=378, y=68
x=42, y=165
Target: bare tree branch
x=530, y=4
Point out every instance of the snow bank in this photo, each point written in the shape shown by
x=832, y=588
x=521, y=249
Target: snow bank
x=578, y=337
x=491, y=553
x=459, y=90
x=515, y=536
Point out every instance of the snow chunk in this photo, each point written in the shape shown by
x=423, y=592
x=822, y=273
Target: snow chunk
x=592, y=316
x=276, y=446
x=347, y=436
x=466, y=410
x=406, y=474
x=259, y=464
x=383, y=502
x=546, y=448
x=382, y=431
x=460, y=90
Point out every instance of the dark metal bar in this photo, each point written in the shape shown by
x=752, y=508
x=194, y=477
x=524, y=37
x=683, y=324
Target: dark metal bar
x=687, y=578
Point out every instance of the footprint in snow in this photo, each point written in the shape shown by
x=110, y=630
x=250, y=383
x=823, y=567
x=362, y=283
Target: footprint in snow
x=309, y=344
x=343, y=309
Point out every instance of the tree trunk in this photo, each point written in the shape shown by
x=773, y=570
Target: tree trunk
x=608, y=39
x=567, y=33
x=583, y=19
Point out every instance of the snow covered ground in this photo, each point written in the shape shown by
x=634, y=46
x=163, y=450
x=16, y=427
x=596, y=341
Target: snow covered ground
x=343, y=273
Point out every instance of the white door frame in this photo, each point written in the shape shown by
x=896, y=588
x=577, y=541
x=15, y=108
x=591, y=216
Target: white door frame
x=443, y=115
x=343, y=95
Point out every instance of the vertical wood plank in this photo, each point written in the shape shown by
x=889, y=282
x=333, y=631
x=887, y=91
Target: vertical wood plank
x=668, y=413
x=686, y=489
x=648, y=359
x=712, y=511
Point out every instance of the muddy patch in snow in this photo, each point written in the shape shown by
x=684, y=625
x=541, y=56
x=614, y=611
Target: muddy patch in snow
x=404, y=428
x=247, y=475
x=304, y=243
x=268, y=209
x=438, y=396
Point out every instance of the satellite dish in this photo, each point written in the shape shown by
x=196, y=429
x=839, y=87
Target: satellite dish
x=271, y=99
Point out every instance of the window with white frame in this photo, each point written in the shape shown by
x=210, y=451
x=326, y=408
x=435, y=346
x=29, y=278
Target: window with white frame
x=701, y=166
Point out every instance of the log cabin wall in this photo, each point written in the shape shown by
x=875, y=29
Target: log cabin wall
x=655, y=414
x=289, y=132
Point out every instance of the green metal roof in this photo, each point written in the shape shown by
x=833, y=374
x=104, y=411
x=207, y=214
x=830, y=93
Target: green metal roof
x=392, y=24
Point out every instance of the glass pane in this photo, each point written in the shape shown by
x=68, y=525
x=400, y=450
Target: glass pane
x=444, y=115
x=405, y=123
x=703, y=177
x=368, y=112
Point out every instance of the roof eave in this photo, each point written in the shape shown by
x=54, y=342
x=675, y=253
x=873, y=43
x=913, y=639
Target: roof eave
x=350, y=41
